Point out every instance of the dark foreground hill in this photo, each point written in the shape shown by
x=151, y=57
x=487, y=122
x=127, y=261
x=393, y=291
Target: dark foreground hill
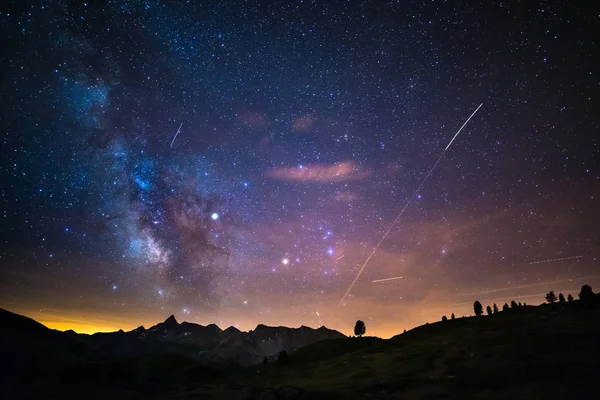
x=26, y=345
x=526, y=353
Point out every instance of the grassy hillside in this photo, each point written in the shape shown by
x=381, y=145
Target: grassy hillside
x=526, y=353
x=533, y=352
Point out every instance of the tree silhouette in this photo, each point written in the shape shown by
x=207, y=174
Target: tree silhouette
x=283, y=358
x=488, y=309
x=586, y=295
x=520, y=304
x=570, y=298
x=513, y=304
x=478, y=308
x=505, y=307
x=551, y=297
x=359, y=328
x=561, y=298
x=495, y=308
x=444, y=319
x=452, y=317
x=265, y=360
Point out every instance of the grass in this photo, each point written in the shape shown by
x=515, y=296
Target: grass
x=534, y=352
x=508, y=355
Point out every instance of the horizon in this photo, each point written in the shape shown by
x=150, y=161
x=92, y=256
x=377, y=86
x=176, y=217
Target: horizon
x=536, y=301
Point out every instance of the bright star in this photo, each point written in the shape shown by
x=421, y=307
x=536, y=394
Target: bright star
x=214, y=216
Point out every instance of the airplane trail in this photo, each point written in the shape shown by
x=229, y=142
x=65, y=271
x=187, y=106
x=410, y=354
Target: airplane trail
x=554, y=260
x=360, y=271
x=387, y=279
x=176, y=133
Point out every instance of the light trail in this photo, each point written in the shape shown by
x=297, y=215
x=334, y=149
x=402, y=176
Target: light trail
x=461, y=128
x=554, y=260
x=176, y=133
x=387, y=279
x=403, y=209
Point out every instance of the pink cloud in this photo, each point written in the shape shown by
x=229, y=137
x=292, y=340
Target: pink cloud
x=339, y=172
x=303, y=123
x=346, y=197
x=253, y=120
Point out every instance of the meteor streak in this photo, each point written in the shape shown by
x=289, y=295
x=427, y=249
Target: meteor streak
x=463, y=125
x=554, y=260
x=387, y=279
x=176, y=133
x=360, y=271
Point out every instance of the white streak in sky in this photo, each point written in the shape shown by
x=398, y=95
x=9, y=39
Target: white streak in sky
x=403, y=209
x=463, y=125
x=387, y=279
x=176, y=133
x=554, y=260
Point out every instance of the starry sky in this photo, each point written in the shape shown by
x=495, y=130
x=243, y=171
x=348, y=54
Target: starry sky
x=235, y=162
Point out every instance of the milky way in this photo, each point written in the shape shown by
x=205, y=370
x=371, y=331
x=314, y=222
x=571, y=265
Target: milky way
x=236, y=162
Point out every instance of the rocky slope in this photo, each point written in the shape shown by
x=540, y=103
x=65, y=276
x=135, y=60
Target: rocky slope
x=208, y=343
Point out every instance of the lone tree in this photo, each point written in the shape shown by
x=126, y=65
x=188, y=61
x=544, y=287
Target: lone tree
x=570, y=298
x=513, y=304
x=444, y=319
x=505, y=307
x=586, y=295
x=488, y=309
x=551, y=297
x=495, y=308
x=478, y=308
x=265, y=360
x=561, y=298
x=359, y=328
x=452, y=317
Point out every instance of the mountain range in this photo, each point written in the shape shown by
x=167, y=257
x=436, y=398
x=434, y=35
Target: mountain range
x=208, y=344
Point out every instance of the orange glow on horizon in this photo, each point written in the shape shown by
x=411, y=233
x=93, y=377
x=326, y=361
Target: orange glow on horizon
x=79, y=327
